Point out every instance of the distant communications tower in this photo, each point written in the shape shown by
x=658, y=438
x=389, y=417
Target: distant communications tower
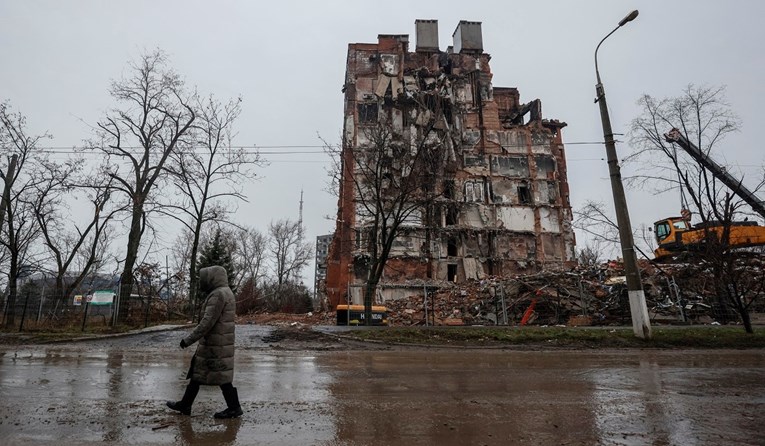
x=300, y=215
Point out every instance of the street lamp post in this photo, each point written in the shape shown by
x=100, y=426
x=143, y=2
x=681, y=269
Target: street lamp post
x=641, y=324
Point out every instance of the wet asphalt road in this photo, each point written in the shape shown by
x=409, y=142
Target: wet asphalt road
x=113, y=392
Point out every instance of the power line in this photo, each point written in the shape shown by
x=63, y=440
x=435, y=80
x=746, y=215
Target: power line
x=251, y=149
x=69, y=150
x=257, y=150
x=233, y=147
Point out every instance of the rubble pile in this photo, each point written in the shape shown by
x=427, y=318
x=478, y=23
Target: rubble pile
x=675, y=293
x=594, y=296
x=548, y=298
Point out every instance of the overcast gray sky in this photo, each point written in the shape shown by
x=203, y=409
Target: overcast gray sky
x=287, y=60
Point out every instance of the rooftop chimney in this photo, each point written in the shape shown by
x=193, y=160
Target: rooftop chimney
x=467, y=37
x=426, y=34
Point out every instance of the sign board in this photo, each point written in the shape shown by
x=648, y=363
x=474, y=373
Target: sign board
x=77, y=300
x=101, y=298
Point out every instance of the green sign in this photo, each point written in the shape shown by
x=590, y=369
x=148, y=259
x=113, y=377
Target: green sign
x=101, y=297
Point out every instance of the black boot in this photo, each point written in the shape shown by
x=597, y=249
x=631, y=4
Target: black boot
x=234, y=410
x=184, y=405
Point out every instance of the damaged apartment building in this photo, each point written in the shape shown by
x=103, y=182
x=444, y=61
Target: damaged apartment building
x=500, y=196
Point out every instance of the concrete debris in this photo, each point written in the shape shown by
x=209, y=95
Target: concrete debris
x=596, y=296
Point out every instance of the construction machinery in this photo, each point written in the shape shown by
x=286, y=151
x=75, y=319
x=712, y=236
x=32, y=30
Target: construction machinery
x=676, y=235
x=354, y=315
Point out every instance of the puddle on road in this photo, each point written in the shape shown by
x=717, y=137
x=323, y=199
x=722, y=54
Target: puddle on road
x=116, y=395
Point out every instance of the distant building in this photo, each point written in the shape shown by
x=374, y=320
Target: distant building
x=504, y=197
x=320, y=274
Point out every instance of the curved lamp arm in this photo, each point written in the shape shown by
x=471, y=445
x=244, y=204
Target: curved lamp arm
x=628, y=18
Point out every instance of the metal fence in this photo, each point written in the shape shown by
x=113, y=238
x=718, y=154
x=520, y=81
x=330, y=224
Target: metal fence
x=38, y=310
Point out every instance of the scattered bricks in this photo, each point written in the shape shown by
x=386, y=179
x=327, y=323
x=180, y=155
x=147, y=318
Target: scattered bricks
x=579, y=321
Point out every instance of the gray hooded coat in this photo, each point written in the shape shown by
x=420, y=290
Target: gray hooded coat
x=213, y=362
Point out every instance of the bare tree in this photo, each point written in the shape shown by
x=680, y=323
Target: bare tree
x=180, y=255
x=289, y=250
x=738, y=280
x=395, y=185
x=394, y=174
x=138, y=139
x=250, y=255
x=593, y=219
x=72, y=245
x=20, y=232
x=207, y=173
x=250, y=248
x=703, y=116
x=178, y=262
x=601, y=229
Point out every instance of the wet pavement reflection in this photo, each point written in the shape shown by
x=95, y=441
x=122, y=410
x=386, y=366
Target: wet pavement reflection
x=114, y=392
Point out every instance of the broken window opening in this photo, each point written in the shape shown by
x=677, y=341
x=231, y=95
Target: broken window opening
x=451, y=272
x=545, y=166
x=475, y=84
x=469, y=192
x=474, y=192
x=524, y=194
x=451, y=247
x=403, y=243
x=449, y=189
x=437, y=216
x=429, y=183
x=368, y=112
x=451, y=216
x=473, y=160
x=510, y=166
x=552, y=192
x=478, y=191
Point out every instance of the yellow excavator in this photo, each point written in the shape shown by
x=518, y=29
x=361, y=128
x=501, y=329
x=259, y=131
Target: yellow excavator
x=675, y=235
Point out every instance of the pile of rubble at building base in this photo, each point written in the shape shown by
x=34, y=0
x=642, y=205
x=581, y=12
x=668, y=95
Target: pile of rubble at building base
x=549, y=298
x=592, y=297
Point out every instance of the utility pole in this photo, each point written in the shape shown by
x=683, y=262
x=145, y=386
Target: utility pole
x=641, y=323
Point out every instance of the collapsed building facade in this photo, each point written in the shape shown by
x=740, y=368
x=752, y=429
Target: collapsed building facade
x=498, y=197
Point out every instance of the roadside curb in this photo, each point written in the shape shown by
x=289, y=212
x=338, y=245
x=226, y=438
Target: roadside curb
x=155, y=329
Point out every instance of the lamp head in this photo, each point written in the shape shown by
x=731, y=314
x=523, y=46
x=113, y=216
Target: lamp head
x=630, y=17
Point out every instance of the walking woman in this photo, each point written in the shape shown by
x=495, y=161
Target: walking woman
x=213, y=362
